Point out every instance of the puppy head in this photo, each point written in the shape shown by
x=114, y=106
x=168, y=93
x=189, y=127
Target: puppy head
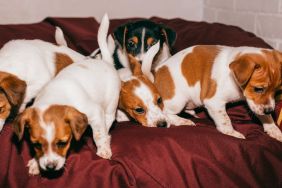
x=259, y=75
x=51, y=132
x=137, y=37
x=12, y=91
x=140, y=99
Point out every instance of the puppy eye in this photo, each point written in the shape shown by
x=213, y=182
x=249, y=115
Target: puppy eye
x=139, y=110
x=61, y=144
x=37, y=145
x=160, y=101
x=259, y=89
x=131, y=44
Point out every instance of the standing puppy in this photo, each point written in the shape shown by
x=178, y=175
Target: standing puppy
x=136, y=38
x=84, y=93
x=25, y=67
x=212, y=76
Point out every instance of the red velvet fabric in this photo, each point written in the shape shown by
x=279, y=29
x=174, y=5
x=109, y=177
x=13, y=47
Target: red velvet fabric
x=152, y=157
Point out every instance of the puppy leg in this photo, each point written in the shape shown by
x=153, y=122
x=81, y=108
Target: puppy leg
x=222, y=121
x=33, y=167
x=101, y=136
x=177, y=121
x=121, y=116
x=269, y=127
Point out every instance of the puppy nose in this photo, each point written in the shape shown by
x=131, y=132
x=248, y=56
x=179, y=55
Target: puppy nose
x=51, y=166
x=162, y=124
x=268, y=111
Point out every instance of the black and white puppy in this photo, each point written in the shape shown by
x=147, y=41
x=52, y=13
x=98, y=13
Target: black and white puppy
x=135, y=38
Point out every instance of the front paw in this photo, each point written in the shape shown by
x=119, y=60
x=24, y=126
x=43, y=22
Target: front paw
x=232, y=132
x=33, y=167
x=274, y=132
x=104, y=152
x=177, y=121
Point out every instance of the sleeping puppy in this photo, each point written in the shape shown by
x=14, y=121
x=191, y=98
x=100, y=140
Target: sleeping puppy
x=85, y=92
x=135, y=38
x=211, y=76
x=25, y=67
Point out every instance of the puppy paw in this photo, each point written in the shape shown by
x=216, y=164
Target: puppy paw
x=274, y=132
x=121, y=116
x=104, y=152
x=177, y=121
x=33, y=167
x=232, y=132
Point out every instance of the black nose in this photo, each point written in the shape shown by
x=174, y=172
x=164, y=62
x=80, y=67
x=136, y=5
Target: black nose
x=162, y=124
x=51, y=166
x=268, y=111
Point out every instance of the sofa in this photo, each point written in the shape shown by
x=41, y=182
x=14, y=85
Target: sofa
x=175, y=157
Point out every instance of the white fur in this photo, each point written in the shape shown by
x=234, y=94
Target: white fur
x=59, y=37
x=92, y=87
x=154, y=114
x=33, y=61
x=189, y=96
x=2, y=122
x=50, y=156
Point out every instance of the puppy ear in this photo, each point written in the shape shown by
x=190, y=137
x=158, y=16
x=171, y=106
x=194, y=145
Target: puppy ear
x=243, y=69
x=14, y=88
x=120, y=35
x=135, y=66
x=168, y=35
x=77, y=121
x=23, y=120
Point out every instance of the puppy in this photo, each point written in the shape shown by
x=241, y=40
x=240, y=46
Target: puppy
x=139, y=98
x=25, y=67
x=212, y=76
x=84, y=93
x=135, y=38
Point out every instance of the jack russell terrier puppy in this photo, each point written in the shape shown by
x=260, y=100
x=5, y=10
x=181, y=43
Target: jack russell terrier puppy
x=212, y=76
x=136, y=38
x=25, y=67
x=85, y=92
x=139, y=98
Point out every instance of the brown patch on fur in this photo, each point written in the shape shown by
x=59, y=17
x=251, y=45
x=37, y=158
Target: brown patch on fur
x=62, y=61
x=134, y=39
x=197, y=67
x=150, y=41
x=5, y=106
x=129, y=101
x=135, y=66
x=29, y=118
x=259, y=71
x=12, y=94
x=164, y=83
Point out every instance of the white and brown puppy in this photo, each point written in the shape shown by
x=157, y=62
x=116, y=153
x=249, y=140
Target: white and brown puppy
x=25, y=67
x=212, y=76
x=85, y=92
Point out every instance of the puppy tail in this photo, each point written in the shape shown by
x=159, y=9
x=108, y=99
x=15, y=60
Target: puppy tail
x=103, y=41
x=59, y=37
x=148, y=60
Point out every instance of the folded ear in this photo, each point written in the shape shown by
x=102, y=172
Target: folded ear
x=120, y=34
x=23, y=120
x=14, y=88
x=242, y=69
x=168, y=35
x=77, y=121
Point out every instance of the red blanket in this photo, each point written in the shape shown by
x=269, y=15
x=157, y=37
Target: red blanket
x=152, y=157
